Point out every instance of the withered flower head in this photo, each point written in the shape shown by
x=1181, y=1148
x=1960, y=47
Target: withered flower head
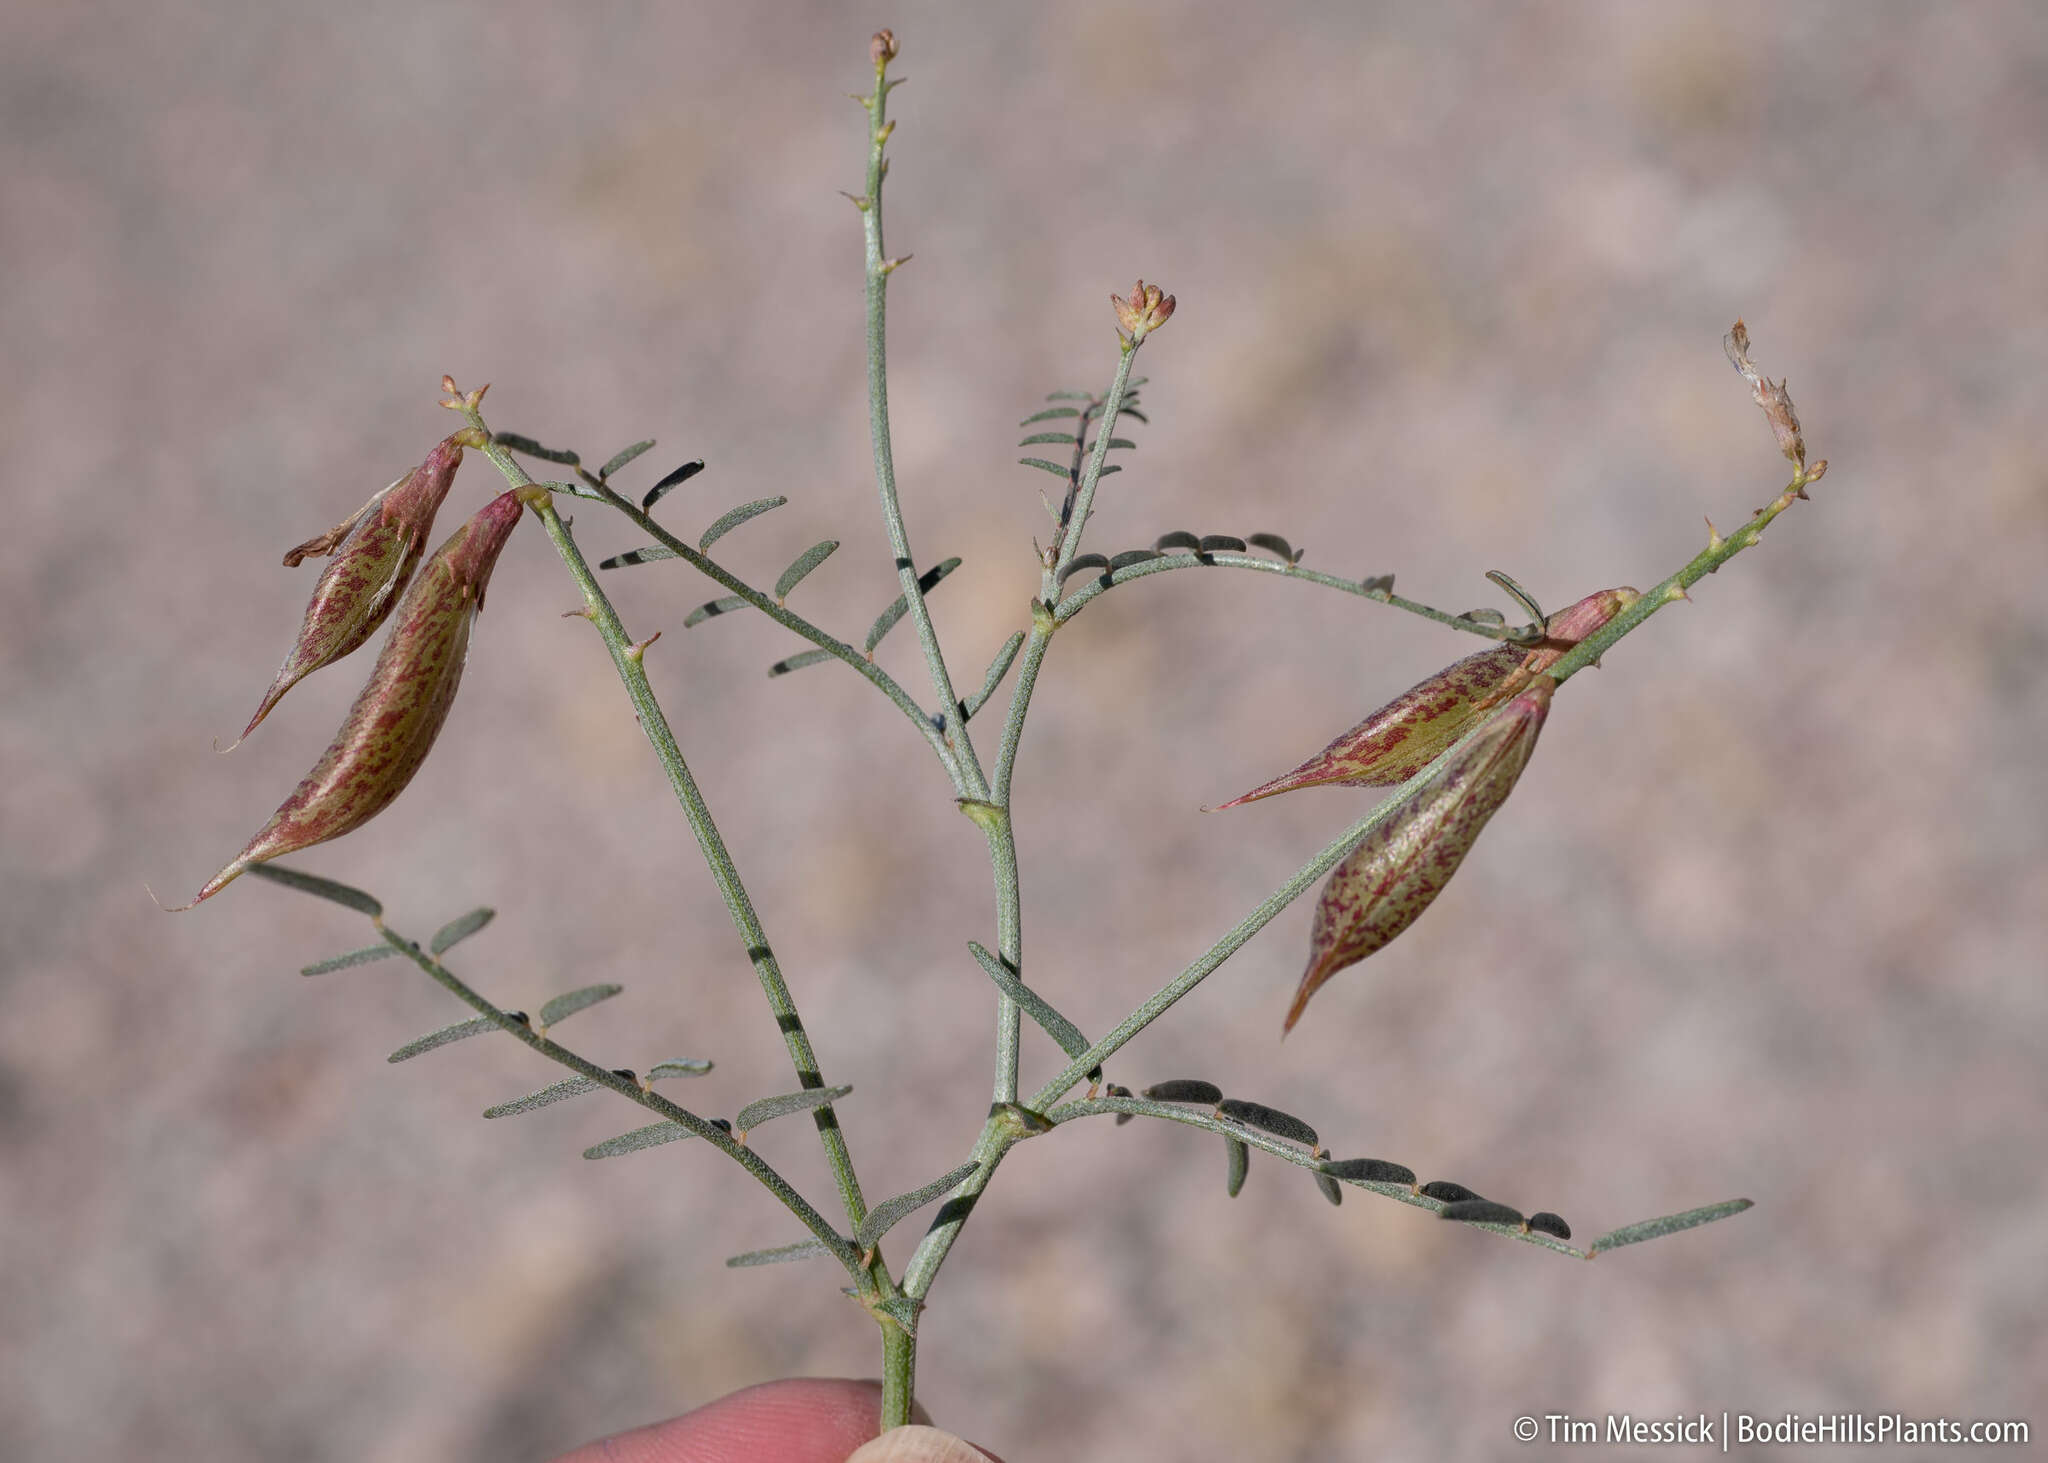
x=1768, y=394
x=1144, y=312
x=375, y=552
x=1386, y=882
x=1405, y=735
x=395, y=719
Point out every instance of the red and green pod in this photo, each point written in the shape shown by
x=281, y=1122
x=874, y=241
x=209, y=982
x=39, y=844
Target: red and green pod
x=1409, y=732
x=1396, y=870
x=395, y=719
x=375, y=552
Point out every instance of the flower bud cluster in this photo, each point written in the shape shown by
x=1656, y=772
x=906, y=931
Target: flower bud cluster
x=1145, y=311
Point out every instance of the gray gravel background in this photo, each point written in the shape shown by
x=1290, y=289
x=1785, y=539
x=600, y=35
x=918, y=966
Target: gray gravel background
x=1766, y=916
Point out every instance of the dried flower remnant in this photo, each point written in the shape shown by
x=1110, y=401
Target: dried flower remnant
x=375, y=552
x=1385, y=883
x=395, y=719
x=1768, y=394
x=1409, y=732
x=1145, y=311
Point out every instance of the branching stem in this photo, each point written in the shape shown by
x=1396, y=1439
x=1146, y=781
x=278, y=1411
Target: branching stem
x=842, y=1248
x=1098, y=584
x=878, y=271
x=626, y=659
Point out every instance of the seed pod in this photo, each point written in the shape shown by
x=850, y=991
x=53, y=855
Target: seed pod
x=1404, y=863
x=395, y=719
x=375, y=551
x=1406, y=735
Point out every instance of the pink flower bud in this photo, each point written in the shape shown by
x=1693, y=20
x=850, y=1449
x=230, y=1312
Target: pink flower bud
x=398, y=714
x=1145, y=311
x=1397, y=869
x=1405, y=735
x=375, y=552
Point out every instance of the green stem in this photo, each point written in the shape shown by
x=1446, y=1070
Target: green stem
x=626, y=658
x=899, y=1374
x=790, y=620
x=998, y=1134
x=878, y=270
x=1718, y=552
x=782, y=615
x=931, y=1253
x=1044, y=618
x=973, y=783
x=1002, y=857
x=1235, y=940
x=1069, y=541
x=842, y=1249
x=1099, y=584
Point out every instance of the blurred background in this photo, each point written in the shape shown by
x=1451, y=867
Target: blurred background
x=1452, y=284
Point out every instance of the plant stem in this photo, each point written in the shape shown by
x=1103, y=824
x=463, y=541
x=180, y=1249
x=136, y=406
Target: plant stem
x=1229, y=945
x=899, y=1374
x=842, y=1249
x=1718, y=551
x=878, y=271
x=1100, y=584
x=626, y=658
x=1069, y=541
x=790, y=620
x=995, y=1137
x=953, y=729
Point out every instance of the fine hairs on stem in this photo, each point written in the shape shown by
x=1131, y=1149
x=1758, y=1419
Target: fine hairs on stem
x=1441, y=757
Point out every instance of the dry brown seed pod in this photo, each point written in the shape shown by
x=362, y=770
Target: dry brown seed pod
x=375, y=552
x=1394, y=873
x=397, y=715
x=1407, y=734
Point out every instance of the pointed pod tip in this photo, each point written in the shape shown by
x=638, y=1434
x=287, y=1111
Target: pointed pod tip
x=213, y=886
x=284, y=682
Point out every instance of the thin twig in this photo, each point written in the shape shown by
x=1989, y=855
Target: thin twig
x=626, y=659
x=841, y=1247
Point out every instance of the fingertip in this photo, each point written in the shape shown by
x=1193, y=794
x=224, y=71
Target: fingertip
x=807, y=1420
x=918, y=1444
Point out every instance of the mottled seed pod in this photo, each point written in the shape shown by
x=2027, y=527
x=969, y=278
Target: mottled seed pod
x=1386, y=882
x=395, y=719
x=375, y=552
x=1409, y=732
